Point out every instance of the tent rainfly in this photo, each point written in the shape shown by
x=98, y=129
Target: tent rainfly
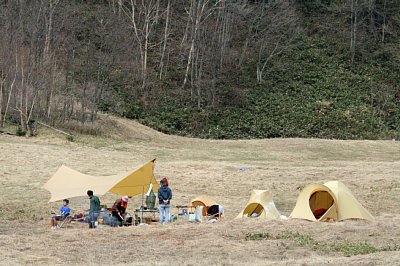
x=330, y=201
x=260, y=205
x=68, y=183
x=205, y=201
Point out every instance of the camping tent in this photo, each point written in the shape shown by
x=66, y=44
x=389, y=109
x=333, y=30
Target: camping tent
x=204, y=201
x=330, y=201
x=68, y=183
x=260, y=205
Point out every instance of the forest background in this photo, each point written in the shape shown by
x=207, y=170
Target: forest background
x=204, y=68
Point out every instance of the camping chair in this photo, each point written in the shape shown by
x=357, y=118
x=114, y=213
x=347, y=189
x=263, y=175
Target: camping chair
x=65, y=220
x=62, y=218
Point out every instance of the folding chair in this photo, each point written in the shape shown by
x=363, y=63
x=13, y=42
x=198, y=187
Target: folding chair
x=65, y=220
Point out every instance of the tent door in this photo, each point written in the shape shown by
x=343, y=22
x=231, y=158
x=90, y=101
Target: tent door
x=253, y=210
x=320, y=202
x=330, y=214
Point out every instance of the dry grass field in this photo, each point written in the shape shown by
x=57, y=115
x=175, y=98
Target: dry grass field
x=371, y=169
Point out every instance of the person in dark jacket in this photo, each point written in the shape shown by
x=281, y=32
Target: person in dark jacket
x=164, y=200
x=119, y=208
x=94, y=209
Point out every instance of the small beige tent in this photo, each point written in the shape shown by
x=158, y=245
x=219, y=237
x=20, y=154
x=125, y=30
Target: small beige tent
x=260, y=205
x=204, y=201
x=68, y=183
x=330, y=201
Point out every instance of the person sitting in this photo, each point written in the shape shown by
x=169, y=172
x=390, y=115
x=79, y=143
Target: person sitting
x=64, y=214
x=119, y=208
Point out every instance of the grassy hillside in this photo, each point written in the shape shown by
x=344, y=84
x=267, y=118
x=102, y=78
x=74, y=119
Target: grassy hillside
x=210, y=69
x=311, y=91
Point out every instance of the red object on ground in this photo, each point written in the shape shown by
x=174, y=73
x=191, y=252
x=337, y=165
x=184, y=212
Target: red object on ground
x=318, y=213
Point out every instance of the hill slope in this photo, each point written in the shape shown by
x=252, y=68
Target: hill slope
x=211, y=69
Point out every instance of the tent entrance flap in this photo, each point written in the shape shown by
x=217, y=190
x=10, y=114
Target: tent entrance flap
x=320, y=202
x=253, y=210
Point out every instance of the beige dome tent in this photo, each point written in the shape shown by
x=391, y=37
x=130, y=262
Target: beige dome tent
x=68, y=183
x=260, y=205
x=203, y=200
x=330, y=201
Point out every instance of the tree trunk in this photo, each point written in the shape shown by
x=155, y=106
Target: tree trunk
x=165, y=40
x=1, y=101
x=49, y=26
x=195, y=16
x=384, y=21
x=354, y=8
x=137, y=36
x=11, y=88
x=146, y=44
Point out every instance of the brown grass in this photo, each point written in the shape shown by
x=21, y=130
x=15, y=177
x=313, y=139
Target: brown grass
x=371, y=169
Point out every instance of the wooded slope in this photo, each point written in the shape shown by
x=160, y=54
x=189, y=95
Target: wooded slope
x=214, y=69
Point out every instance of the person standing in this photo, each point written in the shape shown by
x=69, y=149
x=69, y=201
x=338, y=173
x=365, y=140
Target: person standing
x=119, y=208
x=164, y=200
x=94, y=209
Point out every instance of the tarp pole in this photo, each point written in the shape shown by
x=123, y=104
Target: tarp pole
x=152, y=176
x=141, y=219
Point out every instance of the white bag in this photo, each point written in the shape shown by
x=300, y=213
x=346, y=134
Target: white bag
x=199, y=214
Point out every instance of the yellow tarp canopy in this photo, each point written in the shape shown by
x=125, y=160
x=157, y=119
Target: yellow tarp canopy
x=261, y=205
x=335, y=197
x=68, y=183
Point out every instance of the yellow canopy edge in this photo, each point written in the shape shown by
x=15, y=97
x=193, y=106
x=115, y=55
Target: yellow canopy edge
x=68, y=183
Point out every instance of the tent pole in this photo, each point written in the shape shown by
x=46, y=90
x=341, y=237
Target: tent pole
x=141, y=219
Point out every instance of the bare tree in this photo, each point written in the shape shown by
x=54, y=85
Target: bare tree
x=276, y=33
x=165, y=40
x=143, y=15
x=199, y=12
x=10, y=94
x=49, y=26
x=272, y=27
x=2, y=81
